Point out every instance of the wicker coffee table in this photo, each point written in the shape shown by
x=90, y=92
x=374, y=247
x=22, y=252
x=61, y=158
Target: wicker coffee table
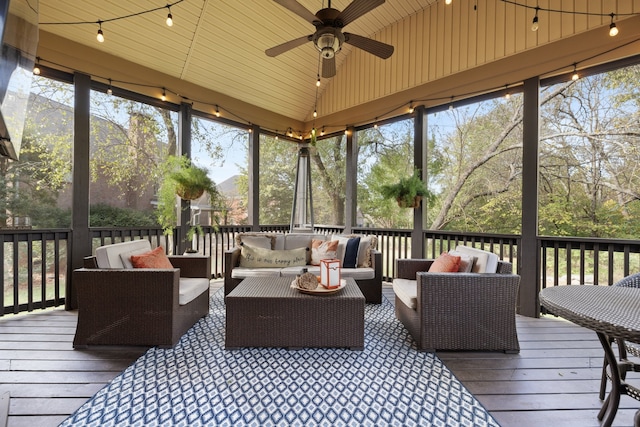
x=267, y=312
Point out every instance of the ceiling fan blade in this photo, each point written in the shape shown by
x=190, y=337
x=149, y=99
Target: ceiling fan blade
x=329, y=67
x=282, y=48
x=356, y=9
x=298, y=9
x=374, y=47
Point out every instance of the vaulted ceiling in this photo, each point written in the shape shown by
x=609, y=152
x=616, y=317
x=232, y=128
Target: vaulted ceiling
x=215, y=51
x=219, y=44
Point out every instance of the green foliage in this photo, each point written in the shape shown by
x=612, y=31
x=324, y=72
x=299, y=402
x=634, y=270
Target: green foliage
x=277, y=179
x=406, y=189
x=180, y=175
x=386, y=155
x=102, y=215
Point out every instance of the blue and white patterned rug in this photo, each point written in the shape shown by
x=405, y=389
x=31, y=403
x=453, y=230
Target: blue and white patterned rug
x=198, y=383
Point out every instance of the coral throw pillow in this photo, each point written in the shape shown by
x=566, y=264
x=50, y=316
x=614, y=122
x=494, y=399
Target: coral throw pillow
x=152, y=259
x=321, y=249
x=445, y=263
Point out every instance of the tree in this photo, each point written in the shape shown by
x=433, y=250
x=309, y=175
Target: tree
x=589, y=157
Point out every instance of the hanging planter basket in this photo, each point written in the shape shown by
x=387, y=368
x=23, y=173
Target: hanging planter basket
x=187, y=193
x=414, y=204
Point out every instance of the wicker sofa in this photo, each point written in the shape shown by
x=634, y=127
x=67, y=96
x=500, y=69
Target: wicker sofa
x=367, y=274
x=138, y=306
x=459, y=311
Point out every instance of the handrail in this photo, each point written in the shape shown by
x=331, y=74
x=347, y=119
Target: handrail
x=37, y=268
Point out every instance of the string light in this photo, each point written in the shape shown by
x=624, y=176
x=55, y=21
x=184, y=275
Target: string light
x=100, y=36
x=169, y=20
x=315, y=113
x=318, y=81
x=508, y=94
x=276, y=137
x=613, y=30
x=447, y=1
x=534, y=24
x=36, y=68
x=575, y=76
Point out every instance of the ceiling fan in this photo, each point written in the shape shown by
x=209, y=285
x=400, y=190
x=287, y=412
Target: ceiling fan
x=328, y=37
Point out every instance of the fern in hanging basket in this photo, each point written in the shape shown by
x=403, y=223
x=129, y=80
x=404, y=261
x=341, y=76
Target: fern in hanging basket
x=184, y=179
x=408, y=192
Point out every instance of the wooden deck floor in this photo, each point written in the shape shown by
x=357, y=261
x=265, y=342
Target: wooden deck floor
x=554, y=380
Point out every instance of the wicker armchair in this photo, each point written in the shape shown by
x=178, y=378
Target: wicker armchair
x=140, y=306
x=624, y=348
x=460, y=311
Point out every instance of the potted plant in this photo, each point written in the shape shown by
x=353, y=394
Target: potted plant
x=408, y=192
x=189, y=182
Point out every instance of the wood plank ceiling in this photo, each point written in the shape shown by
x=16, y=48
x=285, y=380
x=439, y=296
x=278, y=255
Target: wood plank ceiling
x=219, y=44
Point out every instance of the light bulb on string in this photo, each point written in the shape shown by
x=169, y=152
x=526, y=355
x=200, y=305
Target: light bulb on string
x=534, y=23
x=36, y=68
x=164, y=95
x=315, y=113
x=318, y=81
x=322, y=131
x=217, y=111
x=411, y=108
x=508, y=94
x=169, y=20
x=100, y=36
x=290, y=132
x=613, y=30
x=447, y=1
x=109, y=89
x=375, y=124
x=276, y=137
x=575, y=75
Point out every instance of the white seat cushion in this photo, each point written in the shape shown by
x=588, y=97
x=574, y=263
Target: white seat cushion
x=108, y=256
x=362, y=273
x=191, y=288
x=486, y=262
x=293, y=271
x=407, y=291
x=244, y=272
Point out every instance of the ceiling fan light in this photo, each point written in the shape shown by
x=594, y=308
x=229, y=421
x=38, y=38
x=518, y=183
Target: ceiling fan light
x=328, y=44
x=327, y=52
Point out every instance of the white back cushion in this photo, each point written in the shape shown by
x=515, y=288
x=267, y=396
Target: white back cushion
x=486, y=262
x=108, y=256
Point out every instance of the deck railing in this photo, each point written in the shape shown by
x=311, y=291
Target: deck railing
x=36, y=267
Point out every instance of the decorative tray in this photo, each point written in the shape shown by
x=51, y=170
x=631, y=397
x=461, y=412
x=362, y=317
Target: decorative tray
x=320, y=290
